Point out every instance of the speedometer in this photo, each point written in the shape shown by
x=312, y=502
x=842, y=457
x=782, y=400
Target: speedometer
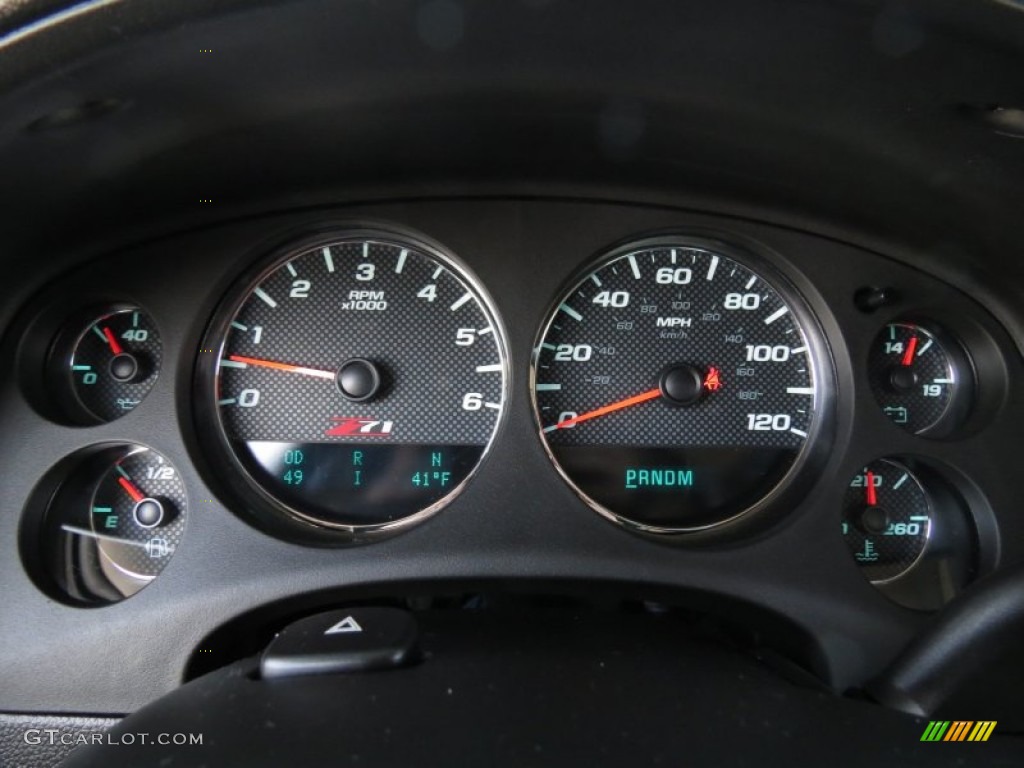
x=353, y=383
x=678, y=385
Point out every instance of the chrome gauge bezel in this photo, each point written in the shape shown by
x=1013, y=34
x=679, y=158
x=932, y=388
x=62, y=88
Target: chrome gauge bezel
x=962, y=375
x=761, y=261
x=262, y=507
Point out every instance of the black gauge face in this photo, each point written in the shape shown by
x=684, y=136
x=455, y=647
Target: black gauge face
x=114, y=523
x=675, y=386
x=111, y=366
x=886, y=520
x=358, y=381
x=919, y=381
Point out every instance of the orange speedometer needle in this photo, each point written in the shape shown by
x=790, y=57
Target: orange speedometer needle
x=130, y=489
x=319, y=373
x=606, y=409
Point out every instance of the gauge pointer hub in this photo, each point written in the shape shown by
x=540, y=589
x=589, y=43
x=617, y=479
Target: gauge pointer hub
x=359, y=380
x=681, y=384
x=903, y=379
x=123, y=367
x=148, y=513
x=873, y=520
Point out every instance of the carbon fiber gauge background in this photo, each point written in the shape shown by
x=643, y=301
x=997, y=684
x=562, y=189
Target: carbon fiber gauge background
x=429, y=367
x=915, y=378
x=675, y=385
x=887, y=516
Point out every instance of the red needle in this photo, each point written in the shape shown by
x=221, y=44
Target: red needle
x=872, y=493
x=282, y=366
x=908, y=356
x=605, y=410
x=115, y=346
x=131, y=490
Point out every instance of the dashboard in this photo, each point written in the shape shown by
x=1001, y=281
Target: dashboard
x=462, y=329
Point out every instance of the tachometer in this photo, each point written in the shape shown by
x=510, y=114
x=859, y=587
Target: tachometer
x=676, y=386
x=356, y=382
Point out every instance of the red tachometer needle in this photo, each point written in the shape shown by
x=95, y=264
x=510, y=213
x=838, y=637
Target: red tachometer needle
x=130, y=489
x=115, y=346
x=908, y=356
x=869, y=479
x=282, y=366
x=605, y=410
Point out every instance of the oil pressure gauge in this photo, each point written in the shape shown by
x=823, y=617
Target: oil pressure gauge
x=103, y=363
x=921, y=378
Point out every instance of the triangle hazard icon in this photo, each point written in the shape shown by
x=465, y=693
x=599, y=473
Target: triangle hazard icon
x=348, y=624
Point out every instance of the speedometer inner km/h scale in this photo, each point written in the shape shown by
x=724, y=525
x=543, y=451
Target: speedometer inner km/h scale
x=675, y=387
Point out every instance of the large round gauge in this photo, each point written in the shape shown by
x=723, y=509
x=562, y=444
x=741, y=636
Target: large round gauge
x=357, y=381
x=676, y=386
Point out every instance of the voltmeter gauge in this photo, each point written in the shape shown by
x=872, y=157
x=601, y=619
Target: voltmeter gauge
x=921, y=378
x=887, y=520
x=104, y=363
x=112, y=518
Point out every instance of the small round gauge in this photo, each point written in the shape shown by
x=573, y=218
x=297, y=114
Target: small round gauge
x=113, y=522
x=887, y=518
x=921, y=379
x=105, y=363
x=677, y=386
x=357, y=383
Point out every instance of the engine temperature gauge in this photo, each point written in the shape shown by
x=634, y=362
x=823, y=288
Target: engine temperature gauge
x=886, y=520
x=920, y=378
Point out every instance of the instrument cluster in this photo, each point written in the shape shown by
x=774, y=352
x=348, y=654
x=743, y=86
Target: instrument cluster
x=688, y=385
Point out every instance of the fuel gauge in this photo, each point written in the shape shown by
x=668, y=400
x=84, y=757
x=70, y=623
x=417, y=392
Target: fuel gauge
x=111, y=524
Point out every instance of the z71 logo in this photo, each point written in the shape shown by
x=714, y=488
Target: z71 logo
x=353, y=426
